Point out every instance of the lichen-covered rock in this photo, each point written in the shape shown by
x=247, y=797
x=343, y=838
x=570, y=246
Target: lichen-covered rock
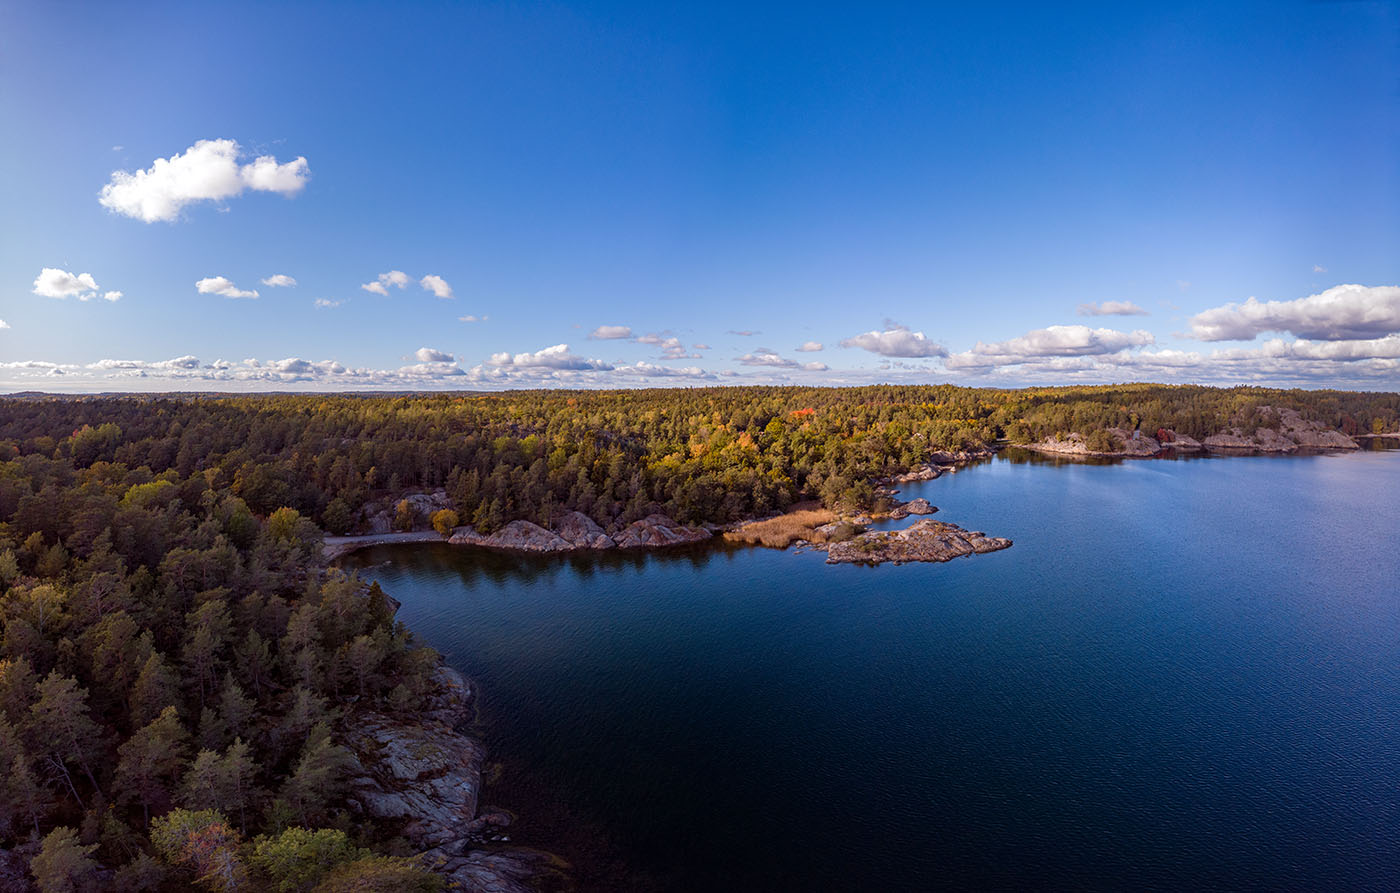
x=582, y=532
x=926, y=540
x=423, y=775
x=658, y=530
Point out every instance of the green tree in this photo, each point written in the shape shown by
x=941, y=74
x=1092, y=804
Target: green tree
x=298, y=859
x=63, y=864
x=149, y=763
x=62, y=731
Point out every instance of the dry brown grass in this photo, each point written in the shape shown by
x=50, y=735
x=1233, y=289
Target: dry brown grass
x=784, y=530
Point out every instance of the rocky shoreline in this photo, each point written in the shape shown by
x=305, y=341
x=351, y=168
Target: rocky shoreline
x=422, y=778
x=1292, y=434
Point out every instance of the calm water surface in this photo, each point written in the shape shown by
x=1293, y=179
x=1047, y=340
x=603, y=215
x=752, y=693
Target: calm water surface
x=1185, y=674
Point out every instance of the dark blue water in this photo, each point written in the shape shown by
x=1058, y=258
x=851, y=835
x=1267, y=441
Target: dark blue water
x=1184, y=675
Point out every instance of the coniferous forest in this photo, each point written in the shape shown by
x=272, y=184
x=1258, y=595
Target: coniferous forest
x=178, y=663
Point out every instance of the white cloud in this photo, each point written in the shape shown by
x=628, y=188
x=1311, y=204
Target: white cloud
x=113, y=296
x=1319, y=268
x=1054, y=341
x=54, y=283
x=1112, y=308
x=470, y=318
x=437, y=285
x=1342, y=312
x=764, y=356
x=556, y=357
x=896, y=341
x=207, y=171
x=280, y=280
x=698, y=346
x=325, y=303
x=3, y=324
x=429, y=355
x=610, y=333
x=222, y=286
x=810, y=347
x=397, y=278
x=744, y=333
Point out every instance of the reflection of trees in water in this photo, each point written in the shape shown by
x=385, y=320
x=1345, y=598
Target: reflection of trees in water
x=473, y=566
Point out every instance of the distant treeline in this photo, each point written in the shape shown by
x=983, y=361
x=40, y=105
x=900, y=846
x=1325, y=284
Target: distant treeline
x=699, y=455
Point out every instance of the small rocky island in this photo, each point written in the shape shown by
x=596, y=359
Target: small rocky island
x=924, y=540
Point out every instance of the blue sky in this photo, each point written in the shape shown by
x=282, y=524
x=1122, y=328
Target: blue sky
x=948, y=191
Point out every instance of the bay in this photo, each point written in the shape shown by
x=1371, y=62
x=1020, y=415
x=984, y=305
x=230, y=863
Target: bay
x=1184, y=674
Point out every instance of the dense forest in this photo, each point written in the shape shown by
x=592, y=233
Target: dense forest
x=701, y=455
x=177, y=660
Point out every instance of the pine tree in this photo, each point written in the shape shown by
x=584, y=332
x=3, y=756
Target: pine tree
x=148, y=764
x=156, y=688
x=64, y=865
x=314, y=777
x=61, y=730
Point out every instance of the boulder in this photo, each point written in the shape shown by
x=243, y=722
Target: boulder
x=658, y=530
x=523, y=536
x=583, y=532
x=920, y=506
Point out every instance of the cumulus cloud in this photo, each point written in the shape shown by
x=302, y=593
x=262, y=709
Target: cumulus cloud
x=429, y=355
x=470, y=318
x=54, y=283
x=325, y=303
x=610, y=333
x=279, y=280
x=1319, y=268
x=810, y=347
x=222, y=286
x=3, y=324
x=112, y=296
x=207, y=171
x=699, y=346
x=1055, y=341
x=556, y=357
x=1340, y=313
x=1112, y=308
x=896, y=341
x=671, y=346
x=744, y=333
x=396, y=278
x=764, y=356
x=437, y=285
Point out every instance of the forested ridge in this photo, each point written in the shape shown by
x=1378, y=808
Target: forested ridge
x=177, y=661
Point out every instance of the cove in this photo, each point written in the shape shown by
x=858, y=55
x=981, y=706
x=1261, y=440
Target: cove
x=1185, y=674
